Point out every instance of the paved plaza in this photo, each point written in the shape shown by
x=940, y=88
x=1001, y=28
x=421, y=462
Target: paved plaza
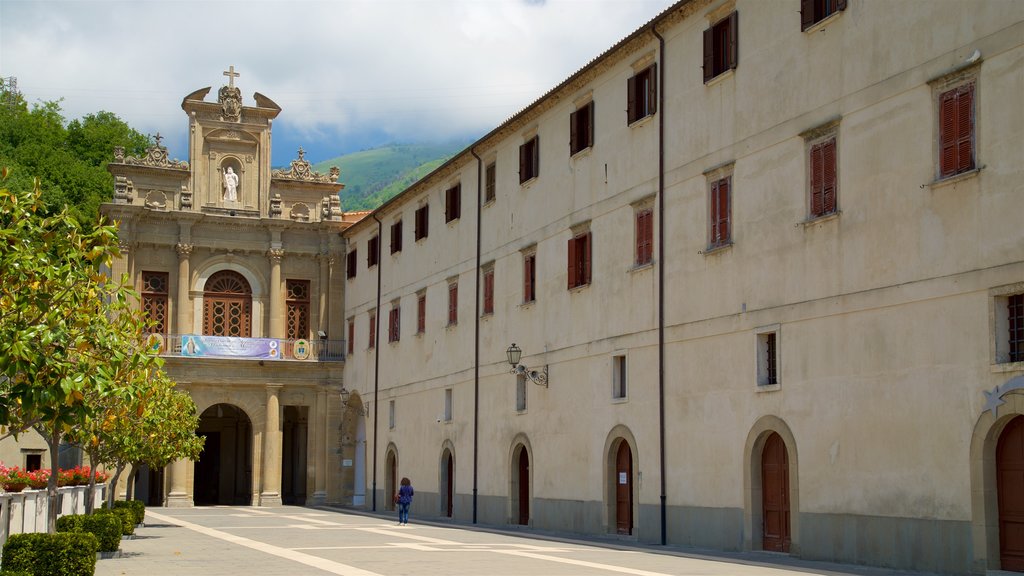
x=226, y=541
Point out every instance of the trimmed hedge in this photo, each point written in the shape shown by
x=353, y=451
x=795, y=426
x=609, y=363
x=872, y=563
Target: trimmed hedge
x=105, y=527
x=61, y=554
x=125, y=515
x=138, y=507
x=14, y=573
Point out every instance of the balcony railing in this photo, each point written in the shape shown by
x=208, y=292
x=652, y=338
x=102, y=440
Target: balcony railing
x=200, y=346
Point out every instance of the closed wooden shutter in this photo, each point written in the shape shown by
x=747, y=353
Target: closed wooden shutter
x=734, y=40
x=590, y=125
x=652, y=89
x=829, y=178
x=644, y=236
x=536, y=156
x=709, y=54
x=373, y=330
x=350, y=265
x=573, y=263
x=351, y=336
x=574, y=127
x=489, y=292
x=965, y=128
x=956, y=130
x=453, y=303
x=720, y=212
x=421, y=313
x=817, y=180
x=632, y=114
x=585, y=250
x=524, y=174
x=528, y=272
x=807, y=16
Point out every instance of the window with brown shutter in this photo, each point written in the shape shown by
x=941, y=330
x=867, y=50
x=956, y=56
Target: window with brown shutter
x=373, y=330
x=490, y=176
x=351, y=335
x=956, y=130
x=453, y=203
x=372, y=252
x=721, y=46
x=579, y=260
x=642, y=94
x=395, y=324
x=453, y=303
x=396, y=237
x=421, y=313
x=581, y=128
x=529, y=277
x=814, y=11
x=297, y=308
x=350, y=264
x=489, y=292
x=824, y=182
x=644, y=236
x=529, y=159
x=719, y=233
x=154, y=300
x=422, y=220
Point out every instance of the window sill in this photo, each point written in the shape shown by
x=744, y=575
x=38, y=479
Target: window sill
x=581, y=153
x=943, y=182
x=486, y=316
x=487, y=203
x=768, y=387
x=528, y=182
x=451, y=326
x=527, y=304
x=713, y=250
x=1007, y=367
x=641, y=267
x=451, y=223
x=642, y=121
x=820, y=25
x=721, y=77
x=820, y=219
x=620, y=400
x=579, y=288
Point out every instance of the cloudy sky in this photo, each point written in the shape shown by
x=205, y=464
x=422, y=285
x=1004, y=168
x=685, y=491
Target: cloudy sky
x=349, y=74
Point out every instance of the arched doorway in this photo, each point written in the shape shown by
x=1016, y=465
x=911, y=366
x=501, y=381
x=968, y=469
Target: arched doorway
x=1010, y=490
x=227, y=305
x=521, y=485
x=223, y=472
x=447, y=483
x=390, y=479
x=623, y=489
x=775, y=494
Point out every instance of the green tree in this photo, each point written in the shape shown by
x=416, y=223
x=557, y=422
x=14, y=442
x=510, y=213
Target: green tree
x=69, y=331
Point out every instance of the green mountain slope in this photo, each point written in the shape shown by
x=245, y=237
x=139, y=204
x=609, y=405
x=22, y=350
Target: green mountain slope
x=372, y=177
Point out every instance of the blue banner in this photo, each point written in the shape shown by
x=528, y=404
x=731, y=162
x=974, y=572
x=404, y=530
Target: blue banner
x=230, y=347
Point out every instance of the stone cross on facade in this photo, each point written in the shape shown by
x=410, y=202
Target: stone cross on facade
x=301, y=153
x=231, y=74
x=158, y=138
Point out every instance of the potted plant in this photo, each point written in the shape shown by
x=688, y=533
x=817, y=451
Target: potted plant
x=14, y=479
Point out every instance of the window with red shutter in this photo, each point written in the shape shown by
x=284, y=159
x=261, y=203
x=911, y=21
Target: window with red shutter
x=421, y=313
x=644, y=236
x=373, y=329
x=814, y=11
x=529, y=277
x=642, y=94
x=395, y=324
x=489, y=292
x=453, y=303
x=490, y=176
x=351, y=345
x=721, y=46
x=720, y=213
x=956, y=130
x=823, y=179
x=579, y=260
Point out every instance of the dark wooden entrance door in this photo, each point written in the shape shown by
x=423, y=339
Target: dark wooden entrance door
x=524, y=487
x=449, y=485
x=624, y=489
x=775, y=494
x=1010, y=479
x=391, y=482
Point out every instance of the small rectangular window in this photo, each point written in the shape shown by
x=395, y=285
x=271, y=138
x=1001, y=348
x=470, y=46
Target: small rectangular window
x=824, y=181
x=422, y=221
x=490, y=176
x=581, y=128
x=351, y=335
x=520, y=393
x=618, y=376
x=644, y=236
x=720, y=211
x=453, y=203
x=579, y=260
x=453, y=303
x=529, y=277
x=768, y=358
x=350, y=264
x=489, y=291
x=396, y=237
x=447, y=404
x=372, y=252
x=33, y=462
x=814, y=11
x=395, y=324
x=373, y=329
x=421, y=313
x=721, y=46
x=529, y=159
x=956, y=130
x=1015, y=321
x=391, y=414
x=642, y=94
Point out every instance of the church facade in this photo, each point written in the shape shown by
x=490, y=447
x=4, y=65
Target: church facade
x=238, y=266
x=739, y=283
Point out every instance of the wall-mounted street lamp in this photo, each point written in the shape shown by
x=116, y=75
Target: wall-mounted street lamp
x=537, y=377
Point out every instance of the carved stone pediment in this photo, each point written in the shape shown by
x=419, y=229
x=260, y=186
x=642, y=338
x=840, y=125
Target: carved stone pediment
x=156, y=155
x=302, y=171
x=230, y=100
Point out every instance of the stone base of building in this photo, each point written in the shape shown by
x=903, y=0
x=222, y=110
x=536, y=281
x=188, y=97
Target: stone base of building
x=270, y=499
x=179, y=501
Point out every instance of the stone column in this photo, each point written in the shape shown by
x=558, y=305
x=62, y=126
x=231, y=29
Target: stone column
x=320, y=448
x=325, y=284
x=177, y=479
x=127, y=261
x=277, y=311
x=272, y=438
x=181, y=303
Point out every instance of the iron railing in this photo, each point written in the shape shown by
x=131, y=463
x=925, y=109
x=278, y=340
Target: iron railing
x=236, y=348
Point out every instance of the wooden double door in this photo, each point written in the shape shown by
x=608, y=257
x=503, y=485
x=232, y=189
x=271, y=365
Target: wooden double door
x=1010, y=486
x=775, y=494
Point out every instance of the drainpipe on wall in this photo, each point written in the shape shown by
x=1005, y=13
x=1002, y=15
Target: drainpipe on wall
x=376, y=360
x=661, y=280
x=476, y=336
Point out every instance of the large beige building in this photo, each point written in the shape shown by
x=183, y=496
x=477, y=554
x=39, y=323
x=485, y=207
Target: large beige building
x=766, y=275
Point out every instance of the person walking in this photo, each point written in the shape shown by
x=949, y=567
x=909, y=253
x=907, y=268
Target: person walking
x=404, y=498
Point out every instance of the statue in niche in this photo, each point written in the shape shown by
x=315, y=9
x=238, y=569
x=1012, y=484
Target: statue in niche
x=230, y=185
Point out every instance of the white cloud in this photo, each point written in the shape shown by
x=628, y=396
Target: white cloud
x=404, y=69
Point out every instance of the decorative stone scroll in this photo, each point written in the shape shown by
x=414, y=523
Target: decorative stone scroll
x=186, y=197
x=156, y=155
x=301, y=170
x=330, y=208
x=275, y=206
x=122, y=190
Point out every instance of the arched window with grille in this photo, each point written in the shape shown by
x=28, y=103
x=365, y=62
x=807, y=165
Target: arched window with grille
x=298, y=309
x=227, y=305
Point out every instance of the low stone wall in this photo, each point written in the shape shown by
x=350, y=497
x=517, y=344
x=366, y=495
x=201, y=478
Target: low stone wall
x=23, y=512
